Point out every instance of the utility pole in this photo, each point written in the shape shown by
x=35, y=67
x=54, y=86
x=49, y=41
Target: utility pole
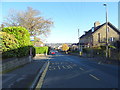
x=79, y=46
x=79, y=41
x=106, y=30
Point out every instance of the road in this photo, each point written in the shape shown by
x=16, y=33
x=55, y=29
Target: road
x=67, y=71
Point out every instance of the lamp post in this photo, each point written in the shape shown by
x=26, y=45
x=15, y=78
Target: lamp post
x=106, y=30
x=79, y=46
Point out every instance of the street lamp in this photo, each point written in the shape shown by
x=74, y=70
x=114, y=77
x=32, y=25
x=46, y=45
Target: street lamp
x=106, y=30
x=79, y=46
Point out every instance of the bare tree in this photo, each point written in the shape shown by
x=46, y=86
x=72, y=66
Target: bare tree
x=31, y=20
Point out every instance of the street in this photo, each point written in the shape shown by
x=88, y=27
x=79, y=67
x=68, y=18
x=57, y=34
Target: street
x=67, y=71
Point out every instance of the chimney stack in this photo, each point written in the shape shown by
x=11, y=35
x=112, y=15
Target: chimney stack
x=97, y=23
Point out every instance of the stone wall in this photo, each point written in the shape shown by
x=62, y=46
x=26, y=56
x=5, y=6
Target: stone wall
x=14, y=62
x=102, y=31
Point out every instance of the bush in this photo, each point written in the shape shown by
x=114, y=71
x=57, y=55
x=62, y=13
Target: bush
x=15, y=42
x=94, y=51
x=20, y=33
x=41, y=50
x=9, y=42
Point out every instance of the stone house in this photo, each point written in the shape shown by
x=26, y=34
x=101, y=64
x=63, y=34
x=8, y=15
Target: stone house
x=96, y=36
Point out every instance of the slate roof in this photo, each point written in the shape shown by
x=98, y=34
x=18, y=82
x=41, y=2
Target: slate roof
x=109, y=24
x=98, y=27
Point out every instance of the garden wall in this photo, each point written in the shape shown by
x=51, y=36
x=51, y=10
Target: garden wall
x=12, y=63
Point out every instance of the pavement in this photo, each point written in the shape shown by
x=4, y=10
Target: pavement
x=100, y=59
x=24, y=76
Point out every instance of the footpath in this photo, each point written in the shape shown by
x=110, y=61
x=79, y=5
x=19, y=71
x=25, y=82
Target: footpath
x=99, y=59
x=25, y=76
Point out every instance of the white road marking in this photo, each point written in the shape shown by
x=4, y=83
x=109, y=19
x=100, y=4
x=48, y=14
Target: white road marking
x=49, y=69
x=70, y=66
x=52, y=68
x=94, y=77
x=99, y=62
x=82, y=69
x=59, y=67
x=64, y=67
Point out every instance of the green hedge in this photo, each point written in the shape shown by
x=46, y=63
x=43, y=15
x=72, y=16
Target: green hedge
x=15, y=42
x=9, y=44
x=8, y=41
x=41, y=50
x=20, y=33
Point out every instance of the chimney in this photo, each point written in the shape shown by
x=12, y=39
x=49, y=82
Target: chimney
x=2, y=25
x=97, y=23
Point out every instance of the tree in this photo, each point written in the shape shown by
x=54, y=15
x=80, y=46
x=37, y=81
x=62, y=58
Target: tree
x=65, y=47
x=31, y=20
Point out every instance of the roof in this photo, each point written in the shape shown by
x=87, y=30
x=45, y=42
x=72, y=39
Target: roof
x=89, y=32
x=112, y=26
x=109, y=24
x=98, y=27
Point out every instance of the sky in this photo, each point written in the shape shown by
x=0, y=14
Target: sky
x=68, y=17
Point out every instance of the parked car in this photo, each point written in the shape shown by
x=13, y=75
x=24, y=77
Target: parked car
x=53, y=52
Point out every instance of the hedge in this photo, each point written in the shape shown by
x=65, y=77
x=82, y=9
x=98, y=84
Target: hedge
x=9, y=42
x=94, y=51
x=15, y=42
x=41, y=50
x=20, y=33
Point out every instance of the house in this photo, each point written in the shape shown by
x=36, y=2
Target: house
x=74, y=46
x=37, y=42
x=96, y=36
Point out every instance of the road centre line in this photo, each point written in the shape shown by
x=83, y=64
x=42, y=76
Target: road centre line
x=94, y=77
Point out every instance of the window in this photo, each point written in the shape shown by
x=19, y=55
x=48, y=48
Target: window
x=92, y=29
x=112, y=39
x=99, y=37
x=108, y=29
